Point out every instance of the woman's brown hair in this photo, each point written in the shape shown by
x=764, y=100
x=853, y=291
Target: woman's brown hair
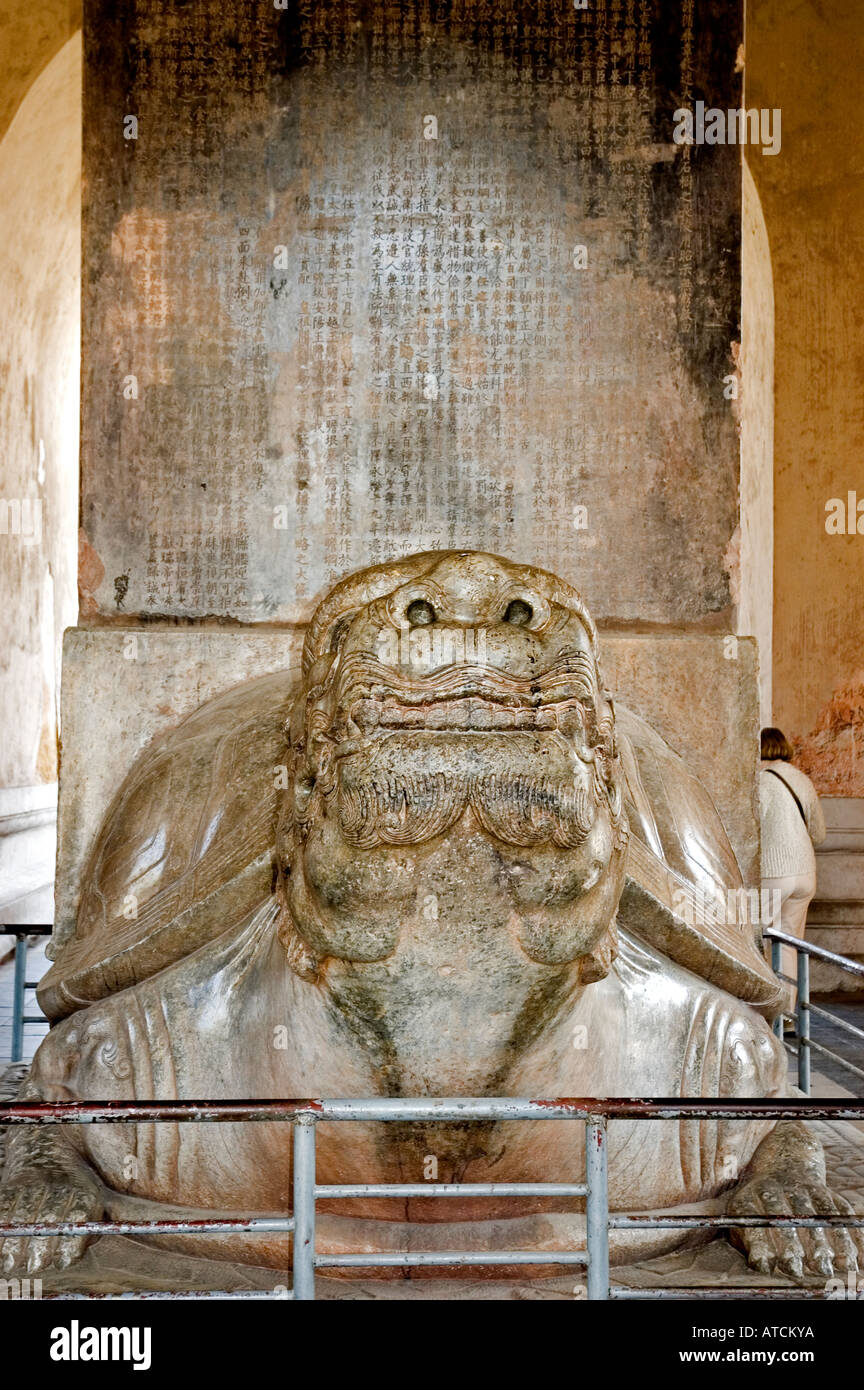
x=776, y=746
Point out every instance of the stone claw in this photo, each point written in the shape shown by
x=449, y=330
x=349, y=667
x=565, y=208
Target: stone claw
x=24, y=1200
x=802, y=1251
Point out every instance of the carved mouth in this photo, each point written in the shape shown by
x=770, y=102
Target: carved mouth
x=466, y=714
x=376, y=699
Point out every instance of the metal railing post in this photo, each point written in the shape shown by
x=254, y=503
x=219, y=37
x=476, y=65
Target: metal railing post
x=802, y=1015
x=18, y=998
x=776, y=964
x=597, y=1206
x=595, y=1115
x=304, y=1208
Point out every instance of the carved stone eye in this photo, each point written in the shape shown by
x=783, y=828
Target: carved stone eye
x=420, y=613
x=518, y=612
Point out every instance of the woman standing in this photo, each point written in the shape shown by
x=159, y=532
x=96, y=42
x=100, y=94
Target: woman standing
x=792, y=823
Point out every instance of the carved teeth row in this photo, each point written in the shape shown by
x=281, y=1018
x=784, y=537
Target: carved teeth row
x=473, y=715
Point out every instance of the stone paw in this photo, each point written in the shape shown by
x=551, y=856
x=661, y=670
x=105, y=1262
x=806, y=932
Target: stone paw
x=797, y=1252
x=27, y=1198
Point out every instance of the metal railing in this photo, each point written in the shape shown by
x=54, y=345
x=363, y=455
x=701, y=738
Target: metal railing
x=21, y=984
x=307, y=1191
x=805, y=1045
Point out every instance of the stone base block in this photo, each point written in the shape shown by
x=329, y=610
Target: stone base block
x=123, y=686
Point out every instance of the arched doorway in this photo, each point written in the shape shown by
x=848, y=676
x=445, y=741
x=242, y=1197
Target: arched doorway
x=40, y=239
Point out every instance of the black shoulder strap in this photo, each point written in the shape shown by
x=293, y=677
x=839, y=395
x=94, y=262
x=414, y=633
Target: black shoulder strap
x=782, y=779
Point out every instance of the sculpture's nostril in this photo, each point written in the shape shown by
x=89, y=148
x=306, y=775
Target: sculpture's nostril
x=420, y=613
x=519, y=612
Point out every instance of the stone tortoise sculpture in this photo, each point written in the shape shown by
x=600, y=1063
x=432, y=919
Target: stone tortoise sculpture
x=463, y=872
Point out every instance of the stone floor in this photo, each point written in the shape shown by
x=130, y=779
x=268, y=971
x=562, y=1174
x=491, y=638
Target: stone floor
x=115, y=1264
x=838, y=1040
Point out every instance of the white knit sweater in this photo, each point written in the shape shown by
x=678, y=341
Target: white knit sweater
x=787, y=841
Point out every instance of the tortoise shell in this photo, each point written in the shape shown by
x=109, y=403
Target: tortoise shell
x=186, y=852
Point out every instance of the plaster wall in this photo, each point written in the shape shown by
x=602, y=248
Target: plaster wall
x=30, y=36
x=40, y=175
x=807, y=59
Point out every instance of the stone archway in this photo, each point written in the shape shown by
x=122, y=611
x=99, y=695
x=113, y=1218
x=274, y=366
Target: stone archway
x=40, y=239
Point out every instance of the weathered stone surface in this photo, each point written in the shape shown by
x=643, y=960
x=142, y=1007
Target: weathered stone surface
x=121, y=689
x=473, y=895
x=830, y=753
x=376, y=278
x=700, y=693
x=676, y=683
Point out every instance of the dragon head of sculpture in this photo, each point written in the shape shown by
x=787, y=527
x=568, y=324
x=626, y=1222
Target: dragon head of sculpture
x=452, y=702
